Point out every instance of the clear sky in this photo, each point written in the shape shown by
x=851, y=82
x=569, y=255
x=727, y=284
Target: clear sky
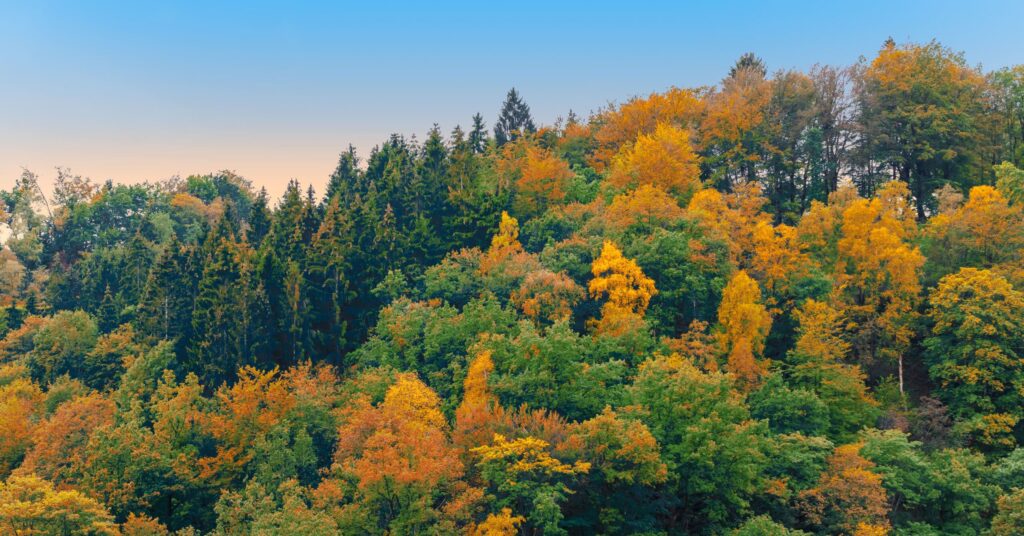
x=135, y=91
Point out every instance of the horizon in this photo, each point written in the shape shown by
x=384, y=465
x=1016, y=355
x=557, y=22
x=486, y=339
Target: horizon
x=143, y=93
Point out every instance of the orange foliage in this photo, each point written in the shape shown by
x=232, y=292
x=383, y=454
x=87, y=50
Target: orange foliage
x=848, y=494
x=20, y=406
x=545, y=295
x=621, y=125
x=540, y=177
x=400, y=443
x=58, y=451
x=732, y=217
x=647, y=204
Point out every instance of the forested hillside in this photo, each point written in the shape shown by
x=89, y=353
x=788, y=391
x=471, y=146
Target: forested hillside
x=790, y=303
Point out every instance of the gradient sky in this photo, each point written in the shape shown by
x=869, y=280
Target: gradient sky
x=135, y=91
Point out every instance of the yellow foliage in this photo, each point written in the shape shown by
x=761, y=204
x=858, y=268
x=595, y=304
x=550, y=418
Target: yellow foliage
x=31, y=505
x=745, y=323
x=507, y=239
x=621, y=125
x=663, y=158
x=502, y=524
x=527, y=455
x=623, y=283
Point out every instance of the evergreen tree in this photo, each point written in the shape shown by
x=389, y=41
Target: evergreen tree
x=478, y=135
x=514, y=119
x=345, y=181
x=260, y=219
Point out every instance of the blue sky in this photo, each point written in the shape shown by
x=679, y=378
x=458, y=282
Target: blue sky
x=273, y=90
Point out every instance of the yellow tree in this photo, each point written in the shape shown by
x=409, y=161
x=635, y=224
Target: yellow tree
x=627, y=289
x=21, y=404
x=877, y=283
x=619, y=125
x=395, y=459
x=745, y=323
x=732, y=217
x=479, y=414
x=31, y=505
x=507, y=239
x=663, y=158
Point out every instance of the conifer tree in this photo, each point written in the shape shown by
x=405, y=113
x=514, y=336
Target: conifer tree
x=514, y=119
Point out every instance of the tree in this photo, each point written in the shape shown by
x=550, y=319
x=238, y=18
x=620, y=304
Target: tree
x=526, y=478
x=713, y=451
x=1009, y=520
x=974, y=348
x=478, y=135
x=877, y=276
x=664, y=159
x=627, y=290
x=514, y=120
x=745, y=324
x=849, y=497
x=31, y=505
x=396, y=460
x=920, y=106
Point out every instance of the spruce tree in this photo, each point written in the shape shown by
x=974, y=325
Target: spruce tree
x=514, y=119
x=478, y=135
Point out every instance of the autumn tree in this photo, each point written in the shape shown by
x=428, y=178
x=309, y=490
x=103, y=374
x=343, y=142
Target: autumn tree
x=627, y=290
x=663, y=158
x=973, y=351
x=877, y=275
x=745, y=323
x=849, y=497
x=526, y=478
x=921, y=112
x=31, y=505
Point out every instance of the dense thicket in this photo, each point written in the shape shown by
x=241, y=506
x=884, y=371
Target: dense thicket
x=785, y=304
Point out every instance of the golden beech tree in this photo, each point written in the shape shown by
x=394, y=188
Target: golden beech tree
x=732, y=217
x=20, y=407
x=501, y=524
x=877, y=283
x=621, y=125
x=479, y=415
x=985, y=232
x=507, y=239
x=745, y=324
x=627, y=290
x=663, y=158
x=849, y=497
x=31, y=505
x=777, y=261
x=648, y=204
x=396, y=457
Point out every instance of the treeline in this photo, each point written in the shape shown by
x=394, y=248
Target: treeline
x=783, y=304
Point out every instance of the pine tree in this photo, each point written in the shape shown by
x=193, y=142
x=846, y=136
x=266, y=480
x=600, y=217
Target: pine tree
x=345, y=181
x=260, y=219
x=214, y=353
x=478, y=135
x=514, y=120
x=328, y=283
x=165, y=312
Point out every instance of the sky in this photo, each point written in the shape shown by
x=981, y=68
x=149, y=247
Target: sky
x=136, y=91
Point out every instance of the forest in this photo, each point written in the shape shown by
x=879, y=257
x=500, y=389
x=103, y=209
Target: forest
x=790, y=303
